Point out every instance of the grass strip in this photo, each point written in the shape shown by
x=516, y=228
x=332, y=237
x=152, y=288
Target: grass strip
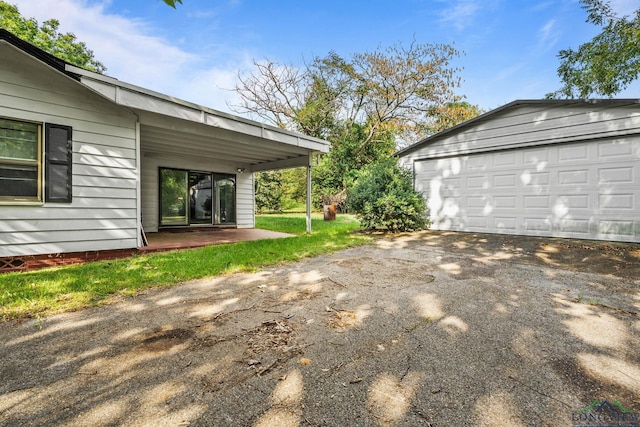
x=54, y=290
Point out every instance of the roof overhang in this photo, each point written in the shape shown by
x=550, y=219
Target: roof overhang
x=166, y=120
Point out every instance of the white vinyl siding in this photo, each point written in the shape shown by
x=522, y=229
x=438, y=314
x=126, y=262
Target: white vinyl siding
x=245, y=208
x=565, y=172
x=103, y=212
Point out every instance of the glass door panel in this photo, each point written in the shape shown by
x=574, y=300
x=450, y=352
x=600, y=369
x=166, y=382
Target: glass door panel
x=173, y=197
x=226, y=199
x=200, y=198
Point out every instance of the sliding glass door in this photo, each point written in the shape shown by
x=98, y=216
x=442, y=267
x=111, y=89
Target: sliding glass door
x=173, y=197
x=200, y=198
x=196, y=198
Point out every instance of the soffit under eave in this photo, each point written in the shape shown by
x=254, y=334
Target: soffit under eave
x=165, y=112
x=215, y=144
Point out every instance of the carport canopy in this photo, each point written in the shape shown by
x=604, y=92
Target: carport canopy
x=176, y=127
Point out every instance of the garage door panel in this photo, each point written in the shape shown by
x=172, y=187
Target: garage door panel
x=573, y=153
x=573, y=177
x=617, y=201
x=508, y=158
x=528, y=178
x=585, y=190
x=477, y=223
x=536, y=226
x=575, y=226
x=616, y=175
x=477, y=182
x=614, y=149
x=505, y=224
x=616, y=229
x=505, y=202
x=574, y=201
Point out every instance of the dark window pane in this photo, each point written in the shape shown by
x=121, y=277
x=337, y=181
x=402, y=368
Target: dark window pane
x=18, y=181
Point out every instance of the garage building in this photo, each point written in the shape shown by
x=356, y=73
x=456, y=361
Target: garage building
x=562, y=168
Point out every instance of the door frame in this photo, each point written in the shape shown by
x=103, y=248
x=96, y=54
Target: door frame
x=214, y=202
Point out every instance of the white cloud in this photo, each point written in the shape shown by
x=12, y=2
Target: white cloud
x=548, y=35
x=460, y=14
x=133, y=54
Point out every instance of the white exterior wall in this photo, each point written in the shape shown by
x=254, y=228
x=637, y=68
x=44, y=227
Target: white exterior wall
x=245, y=199
x=565, y=172
x=151, y=164
x=103, y=213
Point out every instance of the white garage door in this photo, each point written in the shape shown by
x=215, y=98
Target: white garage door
x=585, y=190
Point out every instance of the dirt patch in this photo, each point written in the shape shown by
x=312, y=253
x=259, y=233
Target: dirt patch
x=165, y=340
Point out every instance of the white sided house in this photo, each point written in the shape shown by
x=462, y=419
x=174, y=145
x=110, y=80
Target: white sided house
x=88, y=162
x=563, y=168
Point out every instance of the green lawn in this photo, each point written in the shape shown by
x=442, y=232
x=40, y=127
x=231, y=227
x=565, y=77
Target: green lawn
x=54, y=290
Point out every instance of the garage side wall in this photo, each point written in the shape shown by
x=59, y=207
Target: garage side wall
x=567, y=172
x=103, y=211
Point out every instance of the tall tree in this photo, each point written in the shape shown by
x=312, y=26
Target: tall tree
x=365, y=105
x=46, y=36
x=608, y=63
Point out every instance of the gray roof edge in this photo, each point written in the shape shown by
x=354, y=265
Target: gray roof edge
x=511, y=105
x=147, y=92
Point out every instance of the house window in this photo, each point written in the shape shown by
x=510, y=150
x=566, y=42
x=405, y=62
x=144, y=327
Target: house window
x=22, y=162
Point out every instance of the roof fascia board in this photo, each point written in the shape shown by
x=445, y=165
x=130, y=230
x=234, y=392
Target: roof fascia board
x=135, y=97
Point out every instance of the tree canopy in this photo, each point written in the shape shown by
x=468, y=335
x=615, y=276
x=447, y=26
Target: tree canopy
x=46, y=36
x=366, y=105
x=608, y=63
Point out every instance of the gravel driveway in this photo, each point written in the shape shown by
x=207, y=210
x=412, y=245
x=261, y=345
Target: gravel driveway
x=422, y=329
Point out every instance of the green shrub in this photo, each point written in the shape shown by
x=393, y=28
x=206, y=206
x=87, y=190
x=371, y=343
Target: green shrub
x=383, y=198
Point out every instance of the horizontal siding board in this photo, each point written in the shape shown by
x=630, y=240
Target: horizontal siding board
x=104, y=182
x=106, y=193
x=105, y=203
x=24, y=249
x=104, y=161
x=46, y=225
x=62, y=212
x=105, y=142
x=103, y=171
x=89, y=148
x=67, y=236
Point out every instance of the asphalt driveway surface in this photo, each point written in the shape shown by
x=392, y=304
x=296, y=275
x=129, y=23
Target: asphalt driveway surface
x=431, y=328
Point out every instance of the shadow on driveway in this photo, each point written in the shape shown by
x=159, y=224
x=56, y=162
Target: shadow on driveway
x=427, y=328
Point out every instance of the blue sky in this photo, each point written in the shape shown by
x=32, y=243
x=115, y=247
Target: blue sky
x=196, y=51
